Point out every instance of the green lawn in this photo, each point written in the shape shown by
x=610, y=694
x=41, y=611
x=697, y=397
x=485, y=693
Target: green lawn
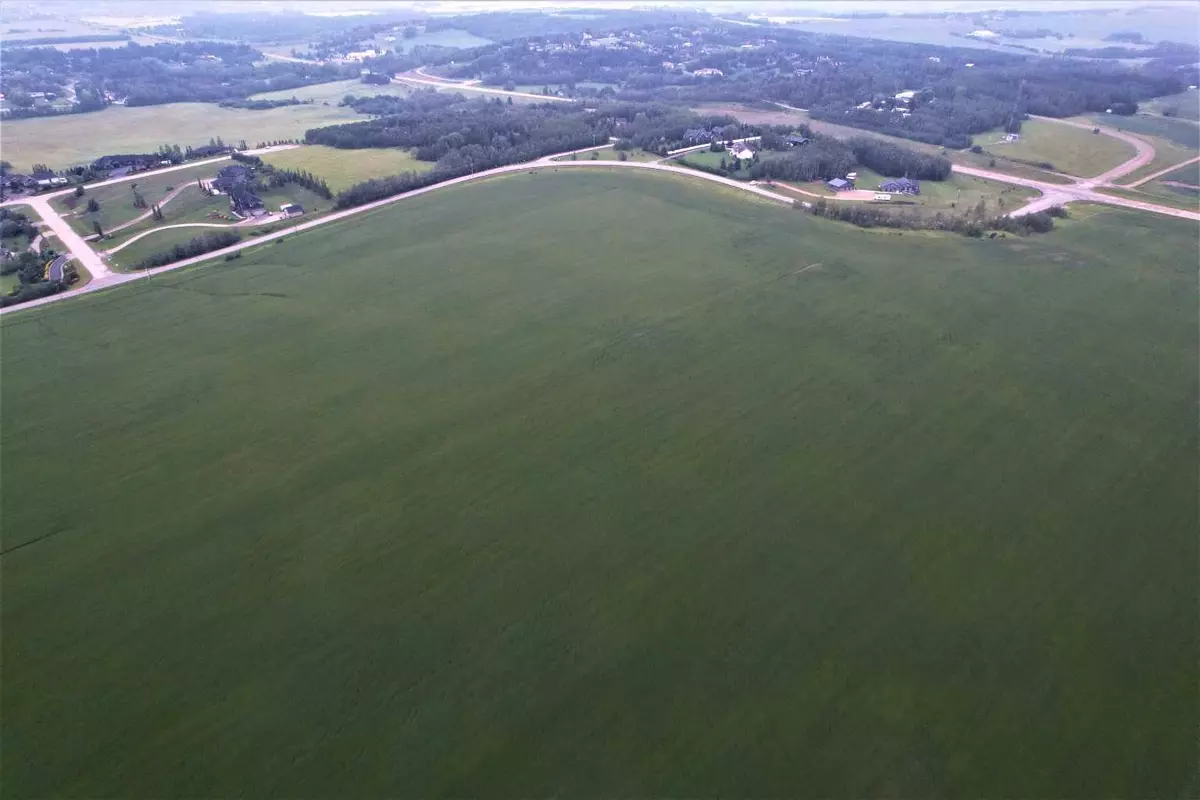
x=609, y=154
x=1166, y=154
x=116, y=200
x=439, y=503
x=80, y=138
x=8, y=283
x=1072, y=150
x=344, y=168
x=958, y=193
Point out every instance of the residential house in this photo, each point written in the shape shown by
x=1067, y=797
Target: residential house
x=291, y=209
x=901, y=186
x=741, y=151
x=796, y=141
x=839, y=185
x=707, y=72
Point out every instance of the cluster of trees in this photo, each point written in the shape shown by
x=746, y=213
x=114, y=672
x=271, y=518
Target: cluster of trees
x=31, y=291
x=205, y=243
x=821, y=159
x=972, y=222
x=14, y=223
x=263, y=105
x=895, y=161
x=273, y=177
x=473, y=135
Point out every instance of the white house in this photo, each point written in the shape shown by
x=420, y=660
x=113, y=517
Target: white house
x=740, y=151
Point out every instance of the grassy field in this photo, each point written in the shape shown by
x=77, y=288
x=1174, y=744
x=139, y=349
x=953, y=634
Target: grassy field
x=1071, y=150
x=333, y=93
x=439, y=503
x=344, y=168
x=80, y=138
x=1180, y=132
x=446, y=38
x=1157, y=192
x=116, y=200
x=609, y=154
x=1185, y=174
x=1166, y=154
x=1185, y=105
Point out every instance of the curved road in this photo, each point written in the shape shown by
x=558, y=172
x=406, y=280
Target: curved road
x=103, y=278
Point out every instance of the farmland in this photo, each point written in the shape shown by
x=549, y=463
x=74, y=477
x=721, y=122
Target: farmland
x=80, y=138
x=344, y=168
x=729, y=501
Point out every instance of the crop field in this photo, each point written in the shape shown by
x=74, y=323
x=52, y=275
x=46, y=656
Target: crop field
x=730, y=501
x=81, y=138
x=116, y=200
x=344, y=168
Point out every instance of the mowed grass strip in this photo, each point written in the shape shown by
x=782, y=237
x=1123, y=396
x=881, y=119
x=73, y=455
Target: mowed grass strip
x=342, y=169
x=452, y=500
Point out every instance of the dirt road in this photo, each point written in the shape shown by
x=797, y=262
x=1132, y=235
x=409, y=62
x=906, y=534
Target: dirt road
x=1162, y=172
x=1145, y=150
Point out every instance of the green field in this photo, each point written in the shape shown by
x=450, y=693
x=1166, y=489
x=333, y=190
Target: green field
x=80, y=138
x=344, y=168
x=1184, y=105
x=1181, y=132
x=1189, y=173
x=610, y=154
x=1072, y=150
x=116, y=199
x=731, y=501
x=1160, y=193
x=447, y=38
x=334, y=92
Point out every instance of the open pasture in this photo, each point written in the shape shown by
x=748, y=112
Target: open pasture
x=80, y=138
x=344, y=168
x=449, y=501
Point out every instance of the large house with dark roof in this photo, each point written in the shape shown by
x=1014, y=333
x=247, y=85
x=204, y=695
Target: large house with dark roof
x=901, y=186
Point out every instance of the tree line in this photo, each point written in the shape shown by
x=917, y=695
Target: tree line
x=205, y=243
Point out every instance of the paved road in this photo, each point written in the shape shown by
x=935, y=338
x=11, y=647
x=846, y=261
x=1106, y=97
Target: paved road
x=86, y=256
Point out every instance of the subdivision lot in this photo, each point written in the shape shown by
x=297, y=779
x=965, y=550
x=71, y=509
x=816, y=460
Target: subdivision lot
x=728, y=501
x=344, y=168
x=1072, y=150
x=80, y=138
x=117, y=200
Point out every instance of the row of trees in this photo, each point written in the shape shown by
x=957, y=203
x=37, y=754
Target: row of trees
x=205, y=243
x=896, y=161
x=974, y=222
